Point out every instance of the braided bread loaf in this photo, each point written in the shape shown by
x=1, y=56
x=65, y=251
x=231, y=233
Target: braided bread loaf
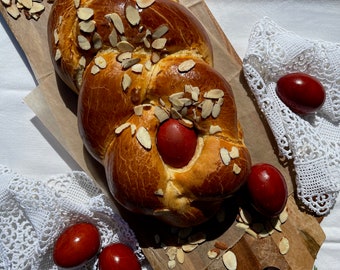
x=139, y=66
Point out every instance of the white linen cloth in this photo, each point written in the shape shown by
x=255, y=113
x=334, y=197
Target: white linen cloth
x=312, y=141
x=28, y=149
x=33, y=213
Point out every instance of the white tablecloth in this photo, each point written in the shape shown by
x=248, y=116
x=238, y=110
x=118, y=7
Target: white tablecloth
x=29, y=149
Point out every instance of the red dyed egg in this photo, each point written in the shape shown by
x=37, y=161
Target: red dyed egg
x=76, y=245
x=118, y=256
x=302, y=93
x=176, y=143
x=267, y=189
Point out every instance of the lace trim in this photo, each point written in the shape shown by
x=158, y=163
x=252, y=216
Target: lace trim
x=312, y=142
x=33, y=212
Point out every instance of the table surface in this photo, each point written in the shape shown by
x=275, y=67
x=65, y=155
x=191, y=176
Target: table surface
x=28, y=148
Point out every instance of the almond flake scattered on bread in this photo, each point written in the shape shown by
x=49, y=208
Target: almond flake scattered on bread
x=186, y=65
x=144, y=138
x=145, y=3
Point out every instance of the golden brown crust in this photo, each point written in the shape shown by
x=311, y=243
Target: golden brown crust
x=119, y=101
x=185, y=32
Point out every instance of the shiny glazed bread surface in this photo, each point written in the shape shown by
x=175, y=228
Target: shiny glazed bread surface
x=129, y=62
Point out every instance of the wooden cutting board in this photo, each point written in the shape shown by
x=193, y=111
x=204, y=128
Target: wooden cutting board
x=55, y=106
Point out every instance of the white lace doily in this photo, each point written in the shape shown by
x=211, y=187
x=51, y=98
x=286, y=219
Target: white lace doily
x=312, y=142
x=34, y=212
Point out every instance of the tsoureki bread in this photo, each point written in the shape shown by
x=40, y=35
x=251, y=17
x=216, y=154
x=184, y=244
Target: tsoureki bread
x=136, y=65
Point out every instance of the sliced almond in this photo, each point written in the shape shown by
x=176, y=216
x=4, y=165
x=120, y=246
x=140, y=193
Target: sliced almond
x=216, y=110
x=97, y=41
x=180, y=255
x=26, y=3
x=186, y=101
x=184, y=112
x=132, y=15
x=161, y=101
x=6, y=2
x=147, y=43
x=207, y=107
x=79, y=77
x=87, y=26
x=145, y=3
x=113, y=38
x=127, y=63
x=242, y=226
x=171, y=253
x=283, y=215
x=117, y=22
x=56, y=36
x=244, y=214
x=100, y=62
x=19, y=5
x=161, y=114
x=189, y=247
x=36, y=8
x=229, y=260
x=133, y=129
x=284, y=245
x=213, y=253
x=193, y=90
x=122, y=127
x=76, y=3
x=251, y=232
x=82, y=62
x=60, y=20
x=175, y=114
x=137, y=68
x=160, y=31
x=155, y=57
x=186, y=65
x=83, y=43
x=159, y=43
x=123, y=56
x=85, y=13
x=186, y=122
x=171, y=264
x=236, y=169
x=143, y=137
x=148, y=65
x=126, y=81
x=176, y=96
x=214, y=94
x=57, y=55
x=125, y=46
x=13, y=11
x=276, y=223
x=138, y=110
x=234, y=152
x=95, y=69
x=214, y=129
x=225, y=156
x=35, y=16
